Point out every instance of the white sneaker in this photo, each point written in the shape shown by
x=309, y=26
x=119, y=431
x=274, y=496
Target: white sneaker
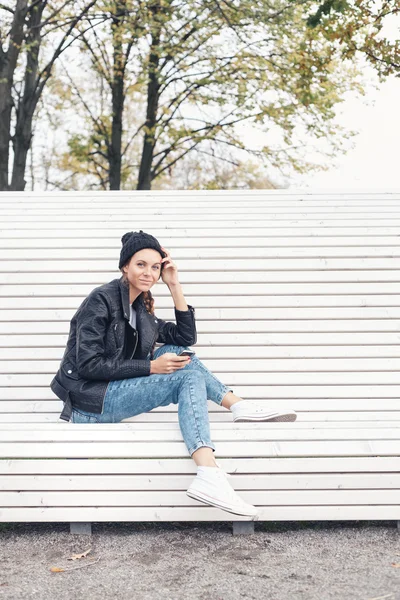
x=212, y=487
x=253, y=410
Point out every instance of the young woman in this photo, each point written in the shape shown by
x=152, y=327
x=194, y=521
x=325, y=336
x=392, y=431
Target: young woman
x=110, y=371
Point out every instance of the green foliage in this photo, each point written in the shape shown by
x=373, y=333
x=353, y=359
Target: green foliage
x=324, y=9
x=193, y=72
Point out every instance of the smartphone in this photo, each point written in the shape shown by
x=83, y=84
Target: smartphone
x=187, y=353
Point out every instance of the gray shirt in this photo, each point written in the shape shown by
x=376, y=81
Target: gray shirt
x=132, y=318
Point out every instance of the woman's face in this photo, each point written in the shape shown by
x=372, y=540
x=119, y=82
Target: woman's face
x=143, y=270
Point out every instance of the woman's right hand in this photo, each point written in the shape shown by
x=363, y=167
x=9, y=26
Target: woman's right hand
x=169, y=362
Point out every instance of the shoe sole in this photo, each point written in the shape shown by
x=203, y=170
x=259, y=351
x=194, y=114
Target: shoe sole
x=211, y=501
x=286, y=418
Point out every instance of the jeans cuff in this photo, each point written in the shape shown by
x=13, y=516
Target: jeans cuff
x=201, y=445
x=222, y=394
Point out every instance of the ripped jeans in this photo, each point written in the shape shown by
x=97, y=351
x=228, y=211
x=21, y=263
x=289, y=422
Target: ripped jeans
x=189, y=388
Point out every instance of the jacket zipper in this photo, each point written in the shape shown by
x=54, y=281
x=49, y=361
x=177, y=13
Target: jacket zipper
x=136, y=343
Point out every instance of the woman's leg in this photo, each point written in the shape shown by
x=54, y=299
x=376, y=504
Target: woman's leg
x=242, y=410
x=130, y=397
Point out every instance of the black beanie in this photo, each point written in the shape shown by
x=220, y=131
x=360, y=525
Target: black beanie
x=133, y=241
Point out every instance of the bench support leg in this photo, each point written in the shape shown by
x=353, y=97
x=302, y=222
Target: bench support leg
x=242, y=527
x=398, y=526
x=82, y=528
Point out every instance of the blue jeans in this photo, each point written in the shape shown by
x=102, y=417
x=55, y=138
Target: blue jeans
x=189, y=388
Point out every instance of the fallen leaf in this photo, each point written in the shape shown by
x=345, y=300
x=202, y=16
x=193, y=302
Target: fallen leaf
x=59, y=570
x=82, y=555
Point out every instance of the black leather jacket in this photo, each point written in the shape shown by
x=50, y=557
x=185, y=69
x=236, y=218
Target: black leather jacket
x=98, y=351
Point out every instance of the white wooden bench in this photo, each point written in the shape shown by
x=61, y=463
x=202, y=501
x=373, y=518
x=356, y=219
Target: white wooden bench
x=297, y=302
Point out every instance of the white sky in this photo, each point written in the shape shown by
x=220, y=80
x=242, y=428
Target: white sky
x=374, y=160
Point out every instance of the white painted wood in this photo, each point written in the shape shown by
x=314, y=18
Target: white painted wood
x=180, y=498
x=177, y=449
x=271, y=399
x=304, y=481
x=202, y=247
x=299, y=425
x=316, y=327
x=232, y=433
x=206, y=232
x=185, y=465
x=336, y=419
x=194, y=513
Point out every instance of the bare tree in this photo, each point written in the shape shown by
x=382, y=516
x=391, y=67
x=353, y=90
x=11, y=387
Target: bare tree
x=24, y=29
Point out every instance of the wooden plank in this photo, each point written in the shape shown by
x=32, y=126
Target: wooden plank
x=300, y=193
x=178, y=449
x=272, y=227
x=264, y=432
x=196, y=208
x=195, y=513
x=210, y=247
x=160, y=427
x=98, y=200
x=320, y=404
x=220, y=219
x=155, y=483
x=336, y=418
x=179, y=498
x=186, y=465
x=208, y=232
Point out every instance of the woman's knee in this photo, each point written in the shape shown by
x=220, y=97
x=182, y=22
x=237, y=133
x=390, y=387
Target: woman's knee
x=193, y=378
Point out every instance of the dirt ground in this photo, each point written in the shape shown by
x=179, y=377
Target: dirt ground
x=187, y=561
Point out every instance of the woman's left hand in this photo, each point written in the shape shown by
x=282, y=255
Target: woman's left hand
x=169, y=273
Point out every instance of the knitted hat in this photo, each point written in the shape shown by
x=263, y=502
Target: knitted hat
x=133, y=241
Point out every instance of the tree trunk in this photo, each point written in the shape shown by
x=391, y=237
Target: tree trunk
x=153, y=96
x=26, y=107
x=114, y=154
x=8, y=63
x=118, y=99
